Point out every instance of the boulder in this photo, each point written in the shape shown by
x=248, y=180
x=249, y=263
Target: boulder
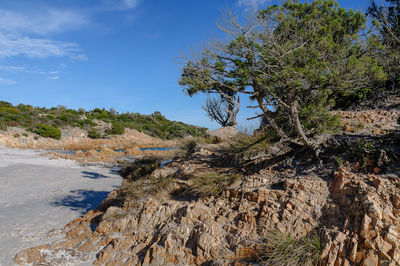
x=224, y=133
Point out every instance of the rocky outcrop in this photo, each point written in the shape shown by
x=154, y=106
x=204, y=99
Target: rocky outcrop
x=362, y=220
x=357, y=216
x=370, y=121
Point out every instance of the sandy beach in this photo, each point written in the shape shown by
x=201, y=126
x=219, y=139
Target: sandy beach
x=38, y=196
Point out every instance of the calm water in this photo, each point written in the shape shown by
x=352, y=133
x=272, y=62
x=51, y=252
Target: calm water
x=72, y=152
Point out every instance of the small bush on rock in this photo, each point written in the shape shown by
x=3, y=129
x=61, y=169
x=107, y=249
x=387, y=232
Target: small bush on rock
x=47, y=131
x=116, y=129
x=189, y=148
x=94, y=134
x=3, y=127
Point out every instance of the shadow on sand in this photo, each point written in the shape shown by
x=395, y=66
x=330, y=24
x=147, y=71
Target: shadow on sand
x=93, y=175
x=82, y=200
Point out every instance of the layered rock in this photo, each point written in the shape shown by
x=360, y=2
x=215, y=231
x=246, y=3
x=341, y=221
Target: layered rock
x=363, y=220
x=371, y=121
x=357, y=216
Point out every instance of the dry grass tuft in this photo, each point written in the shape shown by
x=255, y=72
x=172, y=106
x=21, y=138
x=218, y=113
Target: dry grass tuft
x=140, y=168
x=210, y=184
x=146, y=187
x=139, y=183
x=284, y=249
x=187, y=148
x=244, y=147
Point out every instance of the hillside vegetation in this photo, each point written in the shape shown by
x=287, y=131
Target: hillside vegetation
x=47, y=122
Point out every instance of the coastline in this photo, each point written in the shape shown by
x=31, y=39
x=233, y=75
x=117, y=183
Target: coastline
x=39, y=196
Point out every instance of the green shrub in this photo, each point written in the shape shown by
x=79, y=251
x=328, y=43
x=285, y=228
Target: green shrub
x=365, y=153
x=116, y=129
x=94, y=134
x=3, y=126
x=5, y=104
x=10, y=110
x=155, y=125
x=47, y=131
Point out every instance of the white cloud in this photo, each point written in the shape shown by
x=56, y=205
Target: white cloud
x=12, y=68
x=44, y=22
x=79, y=57
x=15, y=45
x=4, y=81
x=19, y=32
x=130, y=3
x=252, y=4
x=30, y=33
x=120, y=4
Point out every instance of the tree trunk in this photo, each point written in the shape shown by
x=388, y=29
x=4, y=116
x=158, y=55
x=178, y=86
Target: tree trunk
x=232, y=112
x=270, y=119
x=294, y=114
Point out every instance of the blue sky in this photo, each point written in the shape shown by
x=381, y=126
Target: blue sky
x=121, y=54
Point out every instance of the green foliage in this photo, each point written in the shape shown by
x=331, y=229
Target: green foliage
x=364, y=152
x=386, y=15
x=210, y=184
x=94, y=134
x=292, y=60
x=316, y=118
x=5, y=104
x=3, y=126
x=116, y=129
x=284, y=249
x=47, y=131
x=155, y=125
x=339, y=160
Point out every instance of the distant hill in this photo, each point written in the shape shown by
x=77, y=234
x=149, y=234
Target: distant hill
x=99, y=123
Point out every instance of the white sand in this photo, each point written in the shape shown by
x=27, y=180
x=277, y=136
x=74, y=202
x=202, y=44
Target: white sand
x=38, y=196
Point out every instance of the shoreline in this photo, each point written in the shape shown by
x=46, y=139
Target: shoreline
x=39, y=196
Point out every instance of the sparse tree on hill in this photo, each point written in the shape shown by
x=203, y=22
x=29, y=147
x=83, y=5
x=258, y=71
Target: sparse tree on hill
x=290, y=60
x=223, y=110
x=387, y=17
